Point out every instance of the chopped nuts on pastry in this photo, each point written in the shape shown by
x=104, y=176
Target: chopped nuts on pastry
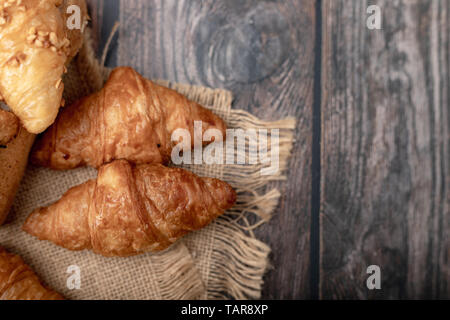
x=35, y=45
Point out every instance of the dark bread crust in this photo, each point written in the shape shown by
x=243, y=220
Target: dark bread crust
x=13, y=161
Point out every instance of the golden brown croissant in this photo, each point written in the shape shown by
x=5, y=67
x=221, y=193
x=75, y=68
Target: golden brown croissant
x=130, y=118
x=130, y=210
x=18, y=281
x=35, y=45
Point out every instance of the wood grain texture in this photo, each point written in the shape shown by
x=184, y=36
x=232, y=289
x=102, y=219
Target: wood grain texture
x=263, y=51
x=386, y=149
x=104, y=14
x=385, y=183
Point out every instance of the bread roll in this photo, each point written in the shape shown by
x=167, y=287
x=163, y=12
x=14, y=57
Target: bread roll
x=13, y=161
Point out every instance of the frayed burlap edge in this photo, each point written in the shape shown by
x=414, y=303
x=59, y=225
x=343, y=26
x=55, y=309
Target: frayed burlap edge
x=174, y=269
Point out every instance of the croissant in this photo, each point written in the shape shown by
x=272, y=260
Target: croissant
x=131, y=118
x=35, y=45
x=131, y=210
x=18, y=281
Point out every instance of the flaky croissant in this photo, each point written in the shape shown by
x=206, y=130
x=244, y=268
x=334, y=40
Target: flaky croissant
x=35, y=45
x=131, y=118
x=131, y=210
x=19, y=282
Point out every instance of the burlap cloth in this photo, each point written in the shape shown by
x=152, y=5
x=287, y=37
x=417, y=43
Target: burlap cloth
x=222, y=261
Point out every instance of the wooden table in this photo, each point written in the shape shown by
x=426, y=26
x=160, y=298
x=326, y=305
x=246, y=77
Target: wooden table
x=369, y=180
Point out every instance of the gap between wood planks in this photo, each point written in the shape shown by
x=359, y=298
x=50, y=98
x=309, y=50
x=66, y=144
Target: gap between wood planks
x=316, y=160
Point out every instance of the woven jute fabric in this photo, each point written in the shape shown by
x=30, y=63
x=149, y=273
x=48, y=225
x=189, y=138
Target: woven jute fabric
x=222, y=261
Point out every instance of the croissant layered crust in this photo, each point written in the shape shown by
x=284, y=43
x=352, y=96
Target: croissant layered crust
x=130, y=210
x=18, y=281
x=35, y=45
x=131, y=118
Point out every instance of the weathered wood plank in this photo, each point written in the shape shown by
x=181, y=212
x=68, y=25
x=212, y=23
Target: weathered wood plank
x=264, y=53
x=104, y=14
x=386, y=149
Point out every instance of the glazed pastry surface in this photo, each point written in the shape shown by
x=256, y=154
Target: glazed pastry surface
x=19, y=282
x=35, y=46
x=131, y=210
x=131, y=118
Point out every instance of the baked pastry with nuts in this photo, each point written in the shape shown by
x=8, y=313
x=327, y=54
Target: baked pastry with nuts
x=35, y=45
